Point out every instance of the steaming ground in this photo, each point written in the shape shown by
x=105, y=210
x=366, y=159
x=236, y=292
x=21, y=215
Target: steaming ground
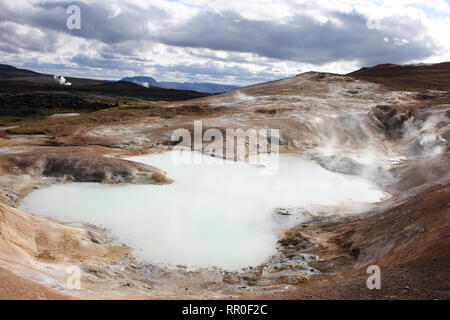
x=393, y=138
x=213, y=215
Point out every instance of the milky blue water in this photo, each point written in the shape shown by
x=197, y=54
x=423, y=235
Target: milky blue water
x=212, y=215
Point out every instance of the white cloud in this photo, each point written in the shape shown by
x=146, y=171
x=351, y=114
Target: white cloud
x=241, y=42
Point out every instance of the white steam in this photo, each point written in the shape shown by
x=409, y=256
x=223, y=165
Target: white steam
x=427, y=142
x=242, y=97
x=61, y=80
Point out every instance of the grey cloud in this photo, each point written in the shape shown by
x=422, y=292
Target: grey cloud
x=206, y=69
x=13, y=41
x=107, y=62
x=119, y=40
x=33, y=64
x=97, y=21
x=303, y=39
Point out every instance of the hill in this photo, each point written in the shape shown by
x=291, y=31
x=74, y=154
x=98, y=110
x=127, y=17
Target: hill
x=408, y=77
x=28, y=93
x=194, y=86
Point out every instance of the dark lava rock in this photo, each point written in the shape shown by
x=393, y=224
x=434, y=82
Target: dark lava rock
x=390, y=119
x=283, y=211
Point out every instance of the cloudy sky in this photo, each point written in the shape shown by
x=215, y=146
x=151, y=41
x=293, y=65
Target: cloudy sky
x=226, y=41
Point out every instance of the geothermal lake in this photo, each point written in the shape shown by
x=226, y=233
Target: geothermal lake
x=212, y=215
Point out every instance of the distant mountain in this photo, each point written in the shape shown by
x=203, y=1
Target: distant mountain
x=199, y=86
x=20, y=81
x=143, y=81
x=193, y=86
x=11, y=73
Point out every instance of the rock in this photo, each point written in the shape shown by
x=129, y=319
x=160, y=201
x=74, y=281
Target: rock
x=98, y=271
x=8, y=197
x=292, y=279
x=46, y=255
x=390, y=119
x=160, y=178
x=94, y=237
x=89, y=168
x=230, y=279
x=283, y=211
x=294, y=238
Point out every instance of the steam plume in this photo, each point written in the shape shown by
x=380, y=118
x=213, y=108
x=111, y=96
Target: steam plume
x=61, y=80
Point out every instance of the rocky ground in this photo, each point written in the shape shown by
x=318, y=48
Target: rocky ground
x=395, y=137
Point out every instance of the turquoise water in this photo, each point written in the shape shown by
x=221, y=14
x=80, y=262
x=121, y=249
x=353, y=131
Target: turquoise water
x=212, y=215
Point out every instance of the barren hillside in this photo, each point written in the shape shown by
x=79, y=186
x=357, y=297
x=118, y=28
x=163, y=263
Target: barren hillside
x=388, y=124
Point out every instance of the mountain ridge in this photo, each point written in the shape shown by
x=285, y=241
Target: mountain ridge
x=205, y=87
x=21, y=81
